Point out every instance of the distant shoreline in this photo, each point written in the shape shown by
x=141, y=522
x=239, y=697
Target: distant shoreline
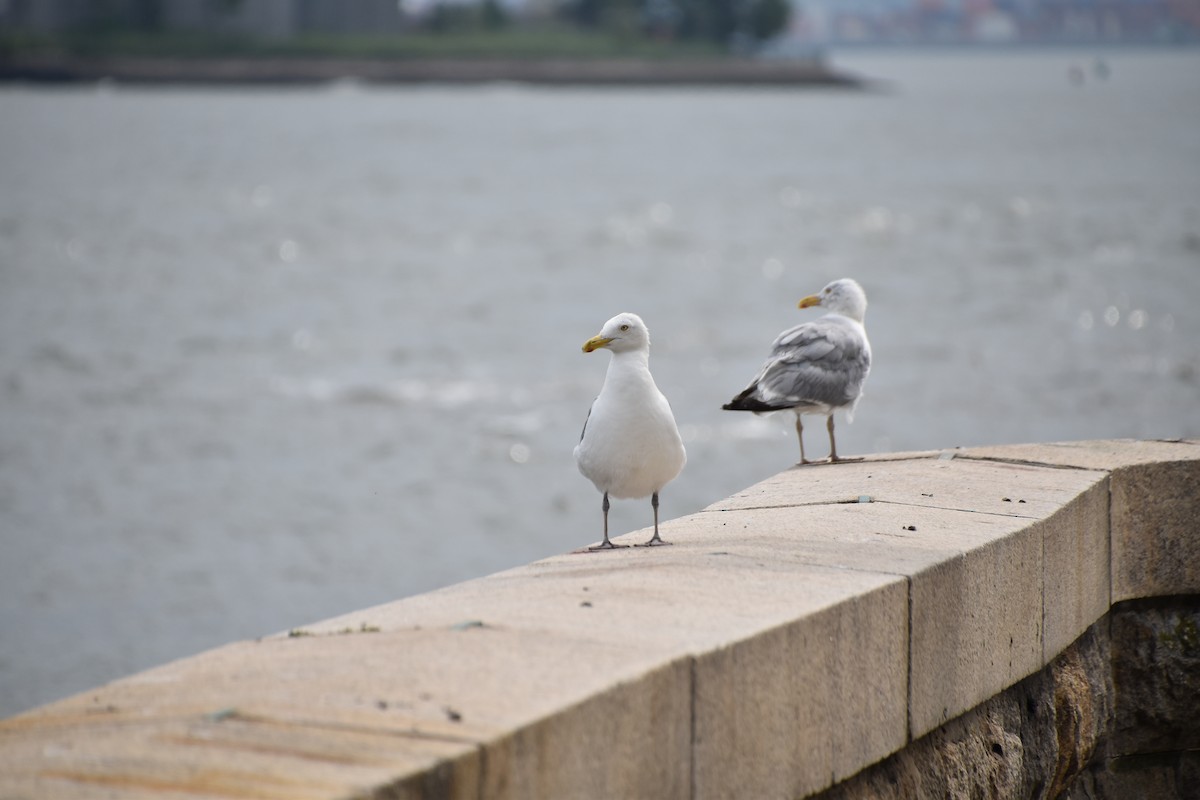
x=541, y=71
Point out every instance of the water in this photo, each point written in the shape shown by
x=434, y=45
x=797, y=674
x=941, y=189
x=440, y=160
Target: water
x=267, y=356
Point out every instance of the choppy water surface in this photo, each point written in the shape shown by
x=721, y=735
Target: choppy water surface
x=270, y=356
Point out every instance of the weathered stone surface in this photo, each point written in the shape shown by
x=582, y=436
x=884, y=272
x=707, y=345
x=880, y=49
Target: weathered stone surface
x=924, y=479
x=800, y=667
x=790, y=711
x=477, y=710
x=1156, y=529
x=1083, y=707
x=631, y=740
x=106, y=750
x=1155, y=514
x=1028, y=741
x=1108, y=719
x=1106, y=454
x=1076, y=588
x=960, y=659
x=1156, y=675
x=716, y=585
x=1158, y=776
x=975, y=580
x=956, y=663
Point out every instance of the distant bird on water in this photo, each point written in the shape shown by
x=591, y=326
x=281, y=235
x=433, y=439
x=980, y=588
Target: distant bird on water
x=630, y=445
x=816, y=367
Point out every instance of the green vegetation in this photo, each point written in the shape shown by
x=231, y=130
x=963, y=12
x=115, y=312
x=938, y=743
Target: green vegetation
x=509, y=43
x=447, y=28
x=1184, y=636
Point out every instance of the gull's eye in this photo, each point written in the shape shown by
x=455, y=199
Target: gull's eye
x=624, y=327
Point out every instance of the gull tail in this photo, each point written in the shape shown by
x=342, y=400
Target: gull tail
x=748, y=401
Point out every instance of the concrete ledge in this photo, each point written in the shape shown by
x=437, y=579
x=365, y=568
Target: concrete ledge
x=1155, y=510
x=797, y=633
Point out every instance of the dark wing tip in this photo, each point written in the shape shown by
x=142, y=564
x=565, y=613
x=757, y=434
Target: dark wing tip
x=742, y=403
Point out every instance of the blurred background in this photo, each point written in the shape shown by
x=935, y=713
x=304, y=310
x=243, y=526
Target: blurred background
x=269, y=354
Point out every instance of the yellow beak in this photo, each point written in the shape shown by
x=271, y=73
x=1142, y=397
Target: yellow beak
x=808, y=302
x=594, y=343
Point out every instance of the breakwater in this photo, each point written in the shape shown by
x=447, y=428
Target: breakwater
x=800, y=634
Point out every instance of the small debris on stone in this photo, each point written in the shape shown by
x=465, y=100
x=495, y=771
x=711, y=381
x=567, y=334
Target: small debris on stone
x=452, y=715
x=909, y=527
x=585, y=604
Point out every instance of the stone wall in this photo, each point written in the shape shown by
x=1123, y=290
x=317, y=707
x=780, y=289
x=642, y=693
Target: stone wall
x=1116, y=716
x=914, y=625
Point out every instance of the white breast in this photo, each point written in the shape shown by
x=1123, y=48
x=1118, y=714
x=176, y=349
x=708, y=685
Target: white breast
x=631, y=445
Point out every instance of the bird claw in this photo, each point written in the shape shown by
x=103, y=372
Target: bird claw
x=829, y=460
x=607, y=545
x=655, y=541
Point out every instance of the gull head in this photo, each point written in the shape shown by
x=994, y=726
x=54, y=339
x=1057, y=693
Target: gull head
x=622, y=333
x=842, y=296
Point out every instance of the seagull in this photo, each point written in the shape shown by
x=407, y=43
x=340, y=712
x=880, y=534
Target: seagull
x=816, y=367
x=630, y=445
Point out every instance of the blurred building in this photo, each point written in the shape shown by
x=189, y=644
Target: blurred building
x=997, y=21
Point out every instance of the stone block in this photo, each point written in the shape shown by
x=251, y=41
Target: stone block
x=633, y=739
x=1156, y=529
x=979, y=486
x=975, y=583
x=1156, y=676
x=415, y=710
x=974, y=556
x=106, y=750
x=795, y=708
x=1105, y=454
x=1076, y=585
x=976, y=627
x=713, y=587
x=1155, y=509
x=820, y=650
x=1030, y=741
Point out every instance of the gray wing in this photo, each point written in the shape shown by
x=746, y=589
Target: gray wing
x=824, y=361
x=585, y=420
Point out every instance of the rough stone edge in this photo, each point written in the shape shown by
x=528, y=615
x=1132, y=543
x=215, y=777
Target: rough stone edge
x=1020, y=743
x=1111, y=717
